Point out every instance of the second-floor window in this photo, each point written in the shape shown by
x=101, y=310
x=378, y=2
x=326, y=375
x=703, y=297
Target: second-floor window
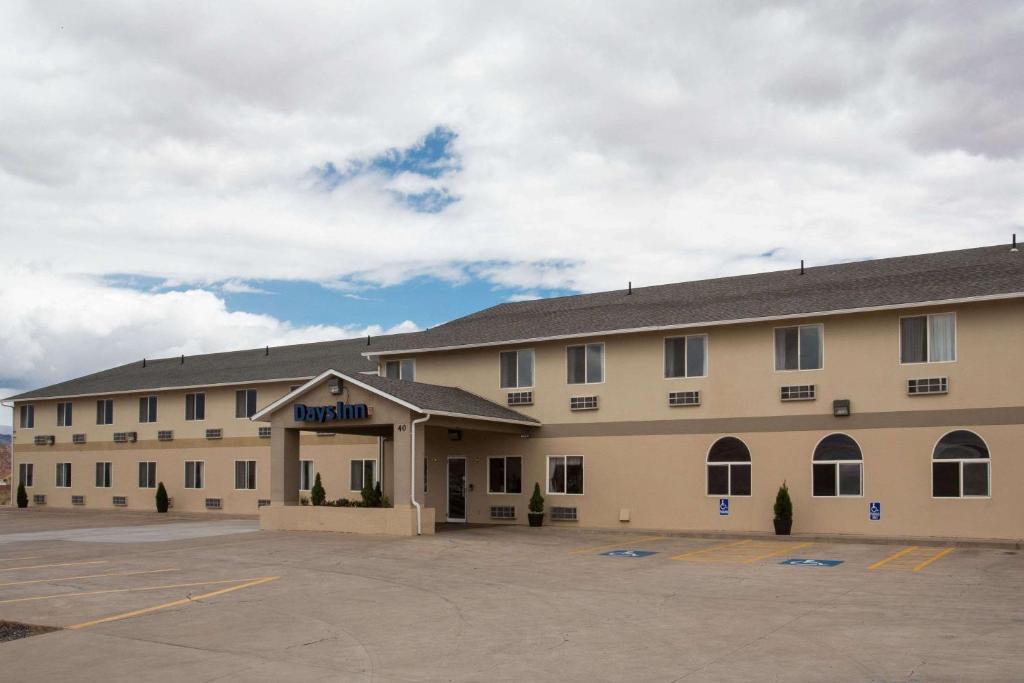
x=64, y=414
x=105, y=411
x=516, y=369
x=245, y=403
x=401, y=369
x=798, y=347
x=585, y=364
x=147, y=409
x=686, y=356
x=27, y=417
x=928, y=338
x=195, y=407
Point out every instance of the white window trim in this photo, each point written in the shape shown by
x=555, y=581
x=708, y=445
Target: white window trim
x=730, y=463
x=111, y=466
x=59, y=466
x=26, y=406
x=32, y=465
x=376, y=476
x=933, y=459
x=104, y=402
x=837, y=463
x=928, y=339
x=312, y=474
x=707, y=356
x=147, y=397
x=66, y=423
x=547, y=475
x=383, y=372
x=821, y=336
x=256, y=475
x=517, y=352
x=155, y=478
x=244, y=417
x=195, y=393
x=185, y=479
x=586, y=364
x=505, y=483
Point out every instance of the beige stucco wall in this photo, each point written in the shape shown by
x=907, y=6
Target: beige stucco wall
x=400, y=521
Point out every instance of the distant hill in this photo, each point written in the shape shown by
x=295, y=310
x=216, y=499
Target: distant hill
x=5, y=438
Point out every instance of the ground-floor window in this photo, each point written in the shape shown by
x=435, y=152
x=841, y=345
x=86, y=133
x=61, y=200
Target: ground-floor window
x=103, y=475
x=960, y=466
x=505, y=474
x=305, y=475
x=63, y=475
x=565, y=474
x=147, y=475
x=194, y=474
x=729, y=468
x=25, y=472
x=838, y=467
x=245, y=475
x=364, y=473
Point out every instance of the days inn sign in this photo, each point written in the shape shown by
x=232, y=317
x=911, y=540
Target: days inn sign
x=339, y=411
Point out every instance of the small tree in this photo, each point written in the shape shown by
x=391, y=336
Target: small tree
x=22, y=496
x=783, y=504
x=317, y=495
x=161, y=498
x=536, y=500
x=372, y=496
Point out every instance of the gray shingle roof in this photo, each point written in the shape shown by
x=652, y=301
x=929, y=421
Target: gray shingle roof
x=436, y=397
x=908, y=280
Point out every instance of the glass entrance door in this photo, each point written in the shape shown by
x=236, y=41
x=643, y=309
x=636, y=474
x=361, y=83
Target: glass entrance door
x=456, y=489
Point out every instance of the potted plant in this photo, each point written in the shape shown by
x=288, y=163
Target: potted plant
x=536, y=507
x=22, y=496
x=783, y=511
x=161, y=498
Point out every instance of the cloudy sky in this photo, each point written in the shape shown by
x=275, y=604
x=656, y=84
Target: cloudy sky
x=180, y=178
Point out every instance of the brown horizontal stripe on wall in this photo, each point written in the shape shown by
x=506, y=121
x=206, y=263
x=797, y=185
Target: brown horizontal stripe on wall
x=790, y=423
x=154, y=444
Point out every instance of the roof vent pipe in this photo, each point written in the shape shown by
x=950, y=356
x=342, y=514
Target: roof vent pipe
x=367, y=340
x=630, y=290
x=801, y=266
x=182, y=359
x=266, y=352
x=1014, y=247
x=143, y=362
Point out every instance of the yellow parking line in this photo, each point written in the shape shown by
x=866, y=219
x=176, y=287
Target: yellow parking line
x=933, y=558
x=892, y=557
x=87, y=576
x=782, y=551
x=176, y=603
x=43, y=566
x=619, y=544
x=708, y=550
x=119, y=590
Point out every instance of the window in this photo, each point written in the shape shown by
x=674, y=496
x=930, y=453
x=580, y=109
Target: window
x=27, y=417
x=798, y=347
x=63, y=475
x=195, y=407
x=585, y=364
x=64, y=414
x=401, y=369
x=103, y=471
x=505, y=474
x=960, y=466
x=147, y=409
x=147, y=475
x=686, y=356
x=25, y=472
x=516, y=368
x=729, y=468
x=194, y=471
x=565, y=474
x=363, y=474
x=105, y=411
x=245, y=475
x=837, y=466
x=305, y=475
x=245, y=403
x=928, y=338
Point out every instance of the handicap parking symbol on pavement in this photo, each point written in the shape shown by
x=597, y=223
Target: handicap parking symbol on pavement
x=629, y=553
x=723, y=506
x=801, y=562
x=875, y=510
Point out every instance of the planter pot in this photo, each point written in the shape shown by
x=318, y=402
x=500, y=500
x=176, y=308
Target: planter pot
x=536, y=519
x=783, y=527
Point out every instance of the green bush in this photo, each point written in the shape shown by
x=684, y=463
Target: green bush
x=317, y=495
x=373, y=497
x=783, y=504
x=536, y=500
x=161, y=498
x=22, y=496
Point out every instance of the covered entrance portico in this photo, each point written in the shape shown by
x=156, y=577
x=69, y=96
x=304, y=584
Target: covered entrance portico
x=399, y=413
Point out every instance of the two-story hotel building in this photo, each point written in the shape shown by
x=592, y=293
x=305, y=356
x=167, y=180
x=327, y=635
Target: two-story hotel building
x=885, y=393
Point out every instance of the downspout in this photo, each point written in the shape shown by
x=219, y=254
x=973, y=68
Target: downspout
x=412, y=476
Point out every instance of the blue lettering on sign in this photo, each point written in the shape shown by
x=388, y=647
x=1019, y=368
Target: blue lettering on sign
x=800, y=562
x=629, y=553
x=875, y=510
x=339, y=411
x=723, y=506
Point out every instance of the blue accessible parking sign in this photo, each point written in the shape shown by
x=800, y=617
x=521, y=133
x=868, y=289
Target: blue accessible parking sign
x=723, y=506
x=629, y=553
x=875, y=510
x=800, y=562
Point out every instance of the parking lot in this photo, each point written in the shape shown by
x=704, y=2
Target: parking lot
x=140, y=596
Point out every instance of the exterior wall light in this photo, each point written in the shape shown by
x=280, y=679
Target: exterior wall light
x=334, y=386
x=841, y=407
x=455, y=435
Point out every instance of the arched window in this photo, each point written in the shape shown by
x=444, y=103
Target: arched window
x=960, y=466
x=838, y=467
x=729, y=468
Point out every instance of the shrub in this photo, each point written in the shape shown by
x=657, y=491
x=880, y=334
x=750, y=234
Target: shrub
x=783, y=504
x=22, y=496
x=161, y=498
x=372, y=496
x=536, y=500
x=303, y=500
x=317, y=495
